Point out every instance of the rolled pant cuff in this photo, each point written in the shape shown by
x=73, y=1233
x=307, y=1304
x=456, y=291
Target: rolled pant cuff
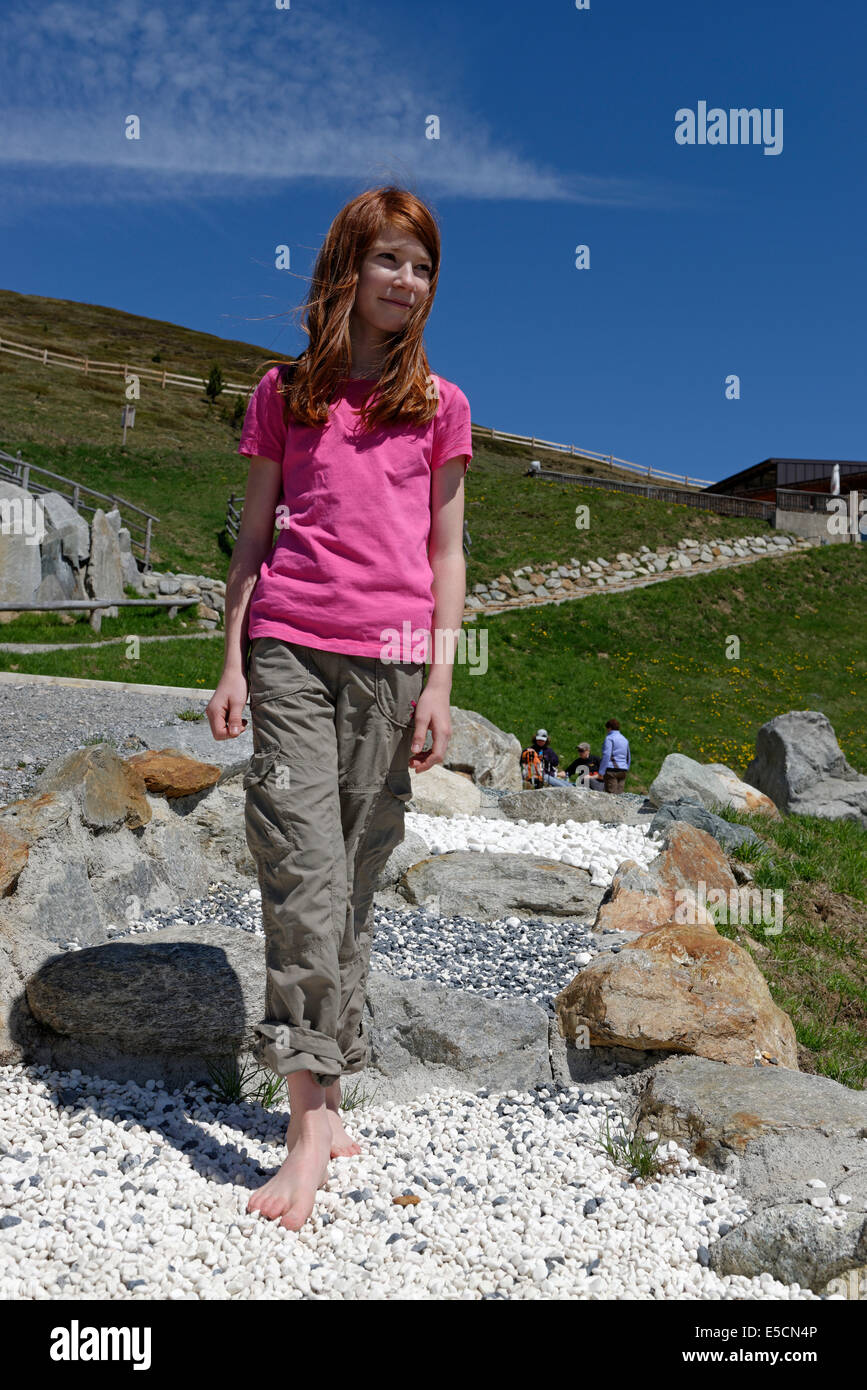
x=286, y=1049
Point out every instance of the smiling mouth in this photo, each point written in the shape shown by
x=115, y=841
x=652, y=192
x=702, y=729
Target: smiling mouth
x=399, y=302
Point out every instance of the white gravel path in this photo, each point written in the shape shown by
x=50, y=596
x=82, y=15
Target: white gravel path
x=141, y=1193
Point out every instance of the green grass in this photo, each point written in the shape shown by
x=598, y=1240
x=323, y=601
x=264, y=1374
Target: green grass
x=232, y=1083
x=816, y=966
x=664, y=673
x=633, y=1151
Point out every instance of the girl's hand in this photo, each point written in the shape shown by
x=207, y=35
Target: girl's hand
x=432, y=712
x=226, y=705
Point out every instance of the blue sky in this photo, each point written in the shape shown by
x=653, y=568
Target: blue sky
x=557, y=128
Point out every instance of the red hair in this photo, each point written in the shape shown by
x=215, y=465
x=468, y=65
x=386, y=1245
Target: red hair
x=405, y=390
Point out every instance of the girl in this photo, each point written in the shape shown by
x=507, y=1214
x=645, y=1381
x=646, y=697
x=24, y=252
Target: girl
x=363, y=452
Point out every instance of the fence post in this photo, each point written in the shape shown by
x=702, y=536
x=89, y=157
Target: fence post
x=147, y=545
x=25, y=476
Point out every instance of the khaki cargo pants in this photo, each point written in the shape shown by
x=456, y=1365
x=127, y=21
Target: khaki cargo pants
x=326, y=791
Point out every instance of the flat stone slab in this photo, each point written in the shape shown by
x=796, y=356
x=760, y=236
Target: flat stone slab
x=726, y=834
x=714, y=1107
x=487, y=885
x=461, y=1038
x=556, y=805
x=777, y=1132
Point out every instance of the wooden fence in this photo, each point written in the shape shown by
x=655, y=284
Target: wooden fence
x=611, y=459
x=18, y=471
x=92, y=366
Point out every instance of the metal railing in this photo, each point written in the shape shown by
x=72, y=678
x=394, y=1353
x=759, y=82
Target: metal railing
x=18, y=471
x=704, y=501
x=234, y=507
x=789, y=500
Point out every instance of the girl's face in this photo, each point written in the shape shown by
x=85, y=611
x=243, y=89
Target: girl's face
x=393, y=278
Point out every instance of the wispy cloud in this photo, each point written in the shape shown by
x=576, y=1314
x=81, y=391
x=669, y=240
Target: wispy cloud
x=236, y=100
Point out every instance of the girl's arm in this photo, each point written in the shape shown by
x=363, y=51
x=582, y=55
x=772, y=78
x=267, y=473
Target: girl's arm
x=446, y=556
x=255, y=542
x=449, y=584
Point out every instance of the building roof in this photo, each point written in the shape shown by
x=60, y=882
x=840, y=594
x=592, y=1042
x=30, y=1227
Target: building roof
x=786, y=471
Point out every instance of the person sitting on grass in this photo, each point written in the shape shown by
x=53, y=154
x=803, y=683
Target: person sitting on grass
x=586, y=765
x=550, y=776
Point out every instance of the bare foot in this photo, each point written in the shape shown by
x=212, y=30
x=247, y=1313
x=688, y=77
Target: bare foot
x=290, y=1194
x=342, y=1144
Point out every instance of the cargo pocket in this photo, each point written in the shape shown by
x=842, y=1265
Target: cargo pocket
x=397, y=688
x=266, y=823
x=277, y=669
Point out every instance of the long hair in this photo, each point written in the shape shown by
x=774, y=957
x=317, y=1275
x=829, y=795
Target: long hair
x=405, y=389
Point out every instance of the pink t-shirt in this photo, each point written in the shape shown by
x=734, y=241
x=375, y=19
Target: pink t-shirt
x=351, y=569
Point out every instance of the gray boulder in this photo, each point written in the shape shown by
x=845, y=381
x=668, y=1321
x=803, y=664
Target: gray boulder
x=72, y=528
x=478, y=747
x=799, y=764
x=775, y=1130
x=21, y=531
x=556, y=805
x=712, y=785
x=128, y=564
x=795, y=1244
x=104, y=568
x=719, y=1110
x=425, y=1034
x=50, y=590
x=726, y=834
x=55, y=567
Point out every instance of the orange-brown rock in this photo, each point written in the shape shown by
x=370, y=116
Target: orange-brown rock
x=679, y=989
x=13, y=857
x=171, y=772
x=31, y=817
x=692, y=856
x=642, y=899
